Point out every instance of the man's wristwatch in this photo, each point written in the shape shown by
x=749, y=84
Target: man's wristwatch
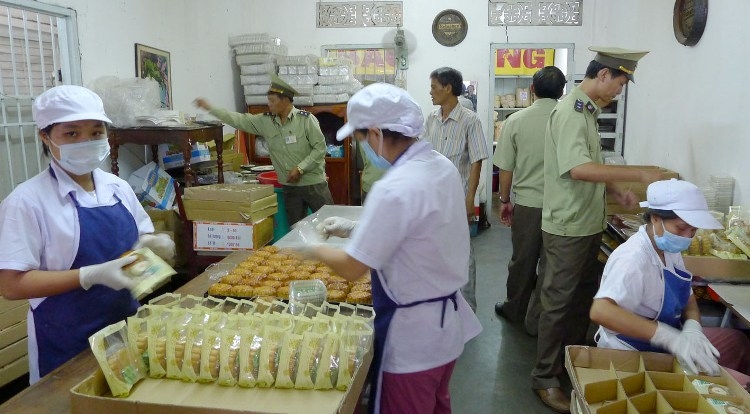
x=504, y=201
x=300, y=170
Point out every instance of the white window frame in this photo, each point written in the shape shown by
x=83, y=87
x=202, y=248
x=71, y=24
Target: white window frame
x=12, y=122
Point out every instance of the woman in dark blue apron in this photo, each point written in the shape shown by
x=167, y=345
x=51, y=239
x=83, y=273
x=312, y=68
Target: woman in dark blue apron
x=412, y=234
x=645, y=300
x=62, y=233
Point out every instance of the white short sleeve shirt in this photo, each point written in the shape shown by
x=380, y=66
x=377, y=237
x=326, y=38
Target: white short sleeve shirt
x=39, y=225
x=634, y=278
x=413, y=232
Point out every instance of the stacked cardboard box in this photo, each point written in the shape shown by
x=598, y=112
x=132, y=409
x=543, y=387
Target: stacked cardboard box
x=230, y=216
x=14, y=360
x=638, y=188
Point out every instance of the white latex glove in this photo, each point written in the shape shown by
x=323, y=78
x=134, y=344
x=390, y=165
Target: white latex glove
x=690, y=346
x=160, y=244
x=337, y=226
x=109, y=274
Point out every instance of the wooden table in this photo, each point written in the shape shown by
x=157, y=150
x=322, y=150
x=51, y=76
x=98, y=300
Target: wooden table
x=51, y=395
x=183, y=136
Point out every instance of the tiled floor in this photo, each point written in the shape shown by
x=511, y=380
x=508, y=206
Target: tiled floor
x=493, y=374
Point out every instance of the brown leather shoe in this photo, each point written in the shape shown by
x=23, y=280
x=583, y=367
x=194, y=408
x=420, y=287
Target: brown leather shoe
x=555, y=399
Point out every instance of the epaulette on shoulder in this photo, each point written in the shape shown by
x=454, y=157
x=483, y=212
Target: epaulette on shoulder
x=267, y=114
x=304, y=113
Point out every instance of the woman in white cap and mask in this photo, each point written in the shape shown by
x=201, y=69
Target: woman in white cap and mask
x=63, y=231
x=645, y=300
x=412, y=236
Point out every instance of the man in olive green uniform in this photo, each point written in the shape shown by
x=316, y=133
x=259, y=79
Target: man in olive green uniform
x=573, y=218
x=520, y=157
x=296, y=145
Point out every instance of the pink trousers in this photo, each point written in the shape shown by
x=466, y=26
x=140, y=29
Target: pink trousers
x=734, y=347
x=424, y=392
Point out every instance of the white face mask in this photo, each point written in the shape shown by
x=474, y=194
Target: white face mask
x=83, y=157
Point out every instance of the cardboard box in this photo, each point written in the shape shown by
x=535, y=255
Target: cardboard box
x=6, y=305
x=714, y=269
x=14, y=370
x=170, y=156
x=610, y=381
x=228, y=192
x=639, y=188
x=228, y=236
x=169, y=222
x=231, y=216
x=153, y=186
x=13, y=333
x=14, y=352
x=15, y=315
x=232, y=211
x=165, y=396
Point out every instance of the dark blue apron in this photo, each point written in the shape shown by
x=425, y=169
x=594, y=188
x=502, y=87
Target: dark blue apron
x=385, y=308
x=63, y=323
x=676, y=294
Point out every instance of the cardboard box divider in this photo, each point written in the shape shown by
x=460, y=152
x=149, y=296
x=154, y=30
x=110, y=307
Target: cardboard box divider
x=604, y=383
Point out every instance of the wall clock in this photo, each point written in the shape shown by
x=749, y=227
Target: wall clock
x=689, y=20
x=449, y=27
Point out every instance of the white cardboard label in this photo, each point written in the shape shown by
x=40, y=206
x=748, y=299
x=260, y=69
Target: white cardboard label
x=209, y=235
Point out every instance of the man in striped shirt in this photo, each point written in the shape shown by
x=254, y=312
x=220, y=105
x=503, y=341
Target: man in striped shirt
x=456, y=132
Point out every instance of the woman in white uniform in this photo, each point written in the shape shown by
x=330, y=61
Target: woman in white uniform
x=63, y=231
x=645, y=299
x=413, y=236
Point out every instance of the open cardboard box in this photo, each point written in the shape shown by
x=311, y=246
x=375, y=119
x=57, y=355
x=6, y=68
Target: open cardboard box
x=609, y=381
x=167, y=396
x=716, y=269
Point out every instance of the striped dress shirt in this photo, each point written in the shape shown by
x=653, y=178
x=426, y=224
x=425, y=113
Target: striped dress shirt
x=459, y=138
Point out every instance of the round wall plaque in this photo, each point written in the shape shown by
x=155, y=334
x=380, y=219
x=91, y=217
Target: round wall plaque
x=449, y=27
x=689, y=20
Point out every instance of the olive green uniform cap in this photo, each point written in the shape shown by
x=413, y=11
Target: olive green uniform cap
x=618, y=58
x=281, y=87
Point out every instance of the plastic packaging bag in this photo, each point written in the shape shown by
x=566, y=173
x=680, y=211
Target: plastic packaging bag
x=122, y=368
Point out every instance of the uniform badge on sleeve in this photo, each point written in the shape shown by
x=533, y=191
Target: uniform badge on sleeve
x=590, y=107
x=578, y=105
x=304, y=113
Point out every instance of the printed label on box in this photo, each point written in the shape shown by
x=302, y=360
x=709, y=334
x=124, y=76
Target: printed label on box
x=208, y=235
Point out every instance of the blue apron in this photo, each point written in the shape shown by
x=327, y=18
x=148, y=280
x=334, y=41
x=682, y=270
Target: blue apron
x=63, y=323
x=385, y=308
x=676, y=294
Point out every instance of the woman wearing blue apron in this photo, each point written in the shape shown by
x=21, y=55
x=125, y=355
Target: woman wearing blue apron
x=63, y=231
x=412, y=233
x=645, y=299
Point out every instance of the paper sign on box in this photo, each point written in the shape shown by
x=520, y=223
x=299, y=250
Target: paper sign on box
x=227, y=236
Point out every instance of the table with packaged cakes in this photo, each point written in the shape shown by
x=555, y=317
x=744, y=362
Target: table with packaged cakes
x=254, y=288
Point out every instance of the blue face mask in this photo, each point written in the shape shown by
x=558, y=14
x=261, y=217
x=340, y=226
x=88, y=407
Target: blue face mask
x=670, y=242
x=374, y=158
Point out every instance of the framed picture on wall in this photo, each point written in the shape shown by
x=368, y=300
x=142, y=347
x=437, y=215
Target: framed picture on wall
x=154, y=63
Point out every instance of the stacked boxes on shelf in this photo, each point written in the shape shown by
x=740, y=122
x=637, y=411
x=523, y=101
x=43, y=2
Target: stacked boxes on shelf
x=256, y=54
x=230, y=217
x=301, y=73
x=14, y=360
x=336, y=82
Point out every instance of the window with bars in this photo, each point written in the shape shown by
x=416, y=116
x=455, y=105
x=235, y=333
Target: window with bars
x=38, y=50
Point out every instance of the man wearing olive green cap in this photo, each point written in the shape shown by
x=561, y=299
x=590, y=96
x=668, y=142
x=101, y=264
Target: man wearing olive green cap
x=296, y=145
x=573, y=217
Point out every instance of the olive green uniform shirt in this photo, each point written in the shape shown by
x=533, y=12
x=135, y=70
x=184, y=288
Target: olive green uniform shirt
x=521, y=150
x=572, y=207
x=297, y=143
